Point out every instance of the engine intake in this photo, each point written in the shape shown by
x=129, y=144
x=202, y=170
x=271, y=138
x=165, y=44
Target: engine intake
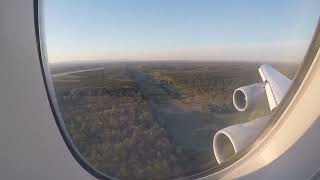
x=247, y=98
x=233, y=139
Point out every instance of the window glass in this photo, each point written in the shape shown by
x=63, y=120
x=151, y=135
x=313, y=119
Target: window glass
x=144, y=86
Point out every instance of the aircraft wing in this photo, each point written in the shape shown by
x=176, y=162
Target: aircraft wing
x=276, y=86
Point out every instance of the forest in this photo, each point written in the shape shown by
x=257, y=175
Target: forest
x=125, y=131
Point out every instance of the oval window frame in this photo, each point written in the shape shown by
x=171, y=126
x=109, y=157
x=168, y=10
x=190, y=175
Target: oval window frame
x=44, y=65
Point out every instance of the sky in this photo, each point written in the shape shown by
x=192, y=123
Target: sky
x=129, y=30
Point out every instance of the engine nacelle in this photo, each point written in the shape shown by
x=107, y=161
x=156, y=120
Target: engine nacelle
x=250, y=97
x=233, y=139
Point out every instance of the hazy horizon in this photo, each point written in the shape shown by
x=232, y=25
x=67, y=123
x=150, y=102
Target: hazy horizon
x=264, y=31
x=112, y=61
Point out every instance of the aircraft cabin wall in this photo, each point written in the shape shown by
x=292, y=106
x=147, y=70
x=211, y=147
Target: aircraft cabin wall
x=31, y=146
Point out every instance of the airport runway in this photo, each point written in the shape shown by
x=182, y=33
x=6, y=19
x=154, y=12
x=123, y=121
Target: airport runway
x=73, y=72
x=181, y=125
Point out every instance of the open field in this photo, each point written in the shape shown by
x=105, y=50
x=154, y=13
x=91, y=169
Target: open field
x=152, y=119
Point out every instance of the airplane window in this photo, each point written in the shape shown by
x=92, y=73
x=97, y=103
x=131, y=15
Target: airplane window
x=166, y=89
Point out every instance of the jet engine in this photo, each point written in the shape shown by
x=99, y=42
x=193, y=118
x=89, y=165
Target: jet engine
x=232, y=139
x=247, y=98
x=258, y=97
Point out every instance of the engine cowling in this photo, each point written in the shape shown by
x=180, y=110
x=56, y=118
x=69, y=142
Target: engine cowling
x=233, y=139
x=247, y=98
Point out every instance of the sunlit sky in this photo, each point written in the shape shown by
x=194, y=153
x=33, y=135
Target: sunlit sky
x=115, y=30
